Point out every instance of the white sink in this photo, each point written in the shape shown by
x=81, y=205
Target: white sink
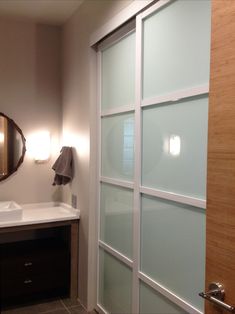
x=10, y=210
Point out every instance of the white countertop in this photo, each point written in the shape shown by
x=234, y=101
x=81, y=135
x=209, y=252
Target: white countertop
x=43, y=213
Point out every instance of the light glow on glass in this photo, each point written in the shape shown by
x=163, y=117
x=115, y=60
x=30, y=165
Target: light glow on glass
x=174, y=145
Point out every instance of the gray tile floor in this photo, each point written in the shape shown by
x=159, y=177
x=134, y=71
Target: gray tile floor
x=61, y=306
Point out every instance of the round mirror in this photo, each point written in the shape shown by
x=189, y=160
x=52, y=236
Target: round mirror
x=12, y=146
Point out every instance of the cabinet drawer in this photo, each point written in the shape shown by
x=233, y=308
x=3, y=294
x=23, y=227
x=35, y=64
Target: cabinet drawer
x=29, y=285
x=34, y=264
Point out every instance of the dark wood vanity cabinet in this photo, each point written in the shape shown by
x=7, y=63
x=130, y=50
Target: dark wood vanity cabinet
x=34, y=269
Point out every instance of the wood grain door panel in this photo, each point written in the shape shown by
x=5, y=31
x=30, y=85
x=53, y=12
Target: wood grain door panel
x=220, y=251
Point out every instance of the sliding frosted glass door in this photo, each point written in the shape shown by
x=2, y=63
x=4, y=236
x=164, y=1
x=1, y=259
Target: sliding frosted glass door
x=174, y=118
x=116, y=175
x=153, y=127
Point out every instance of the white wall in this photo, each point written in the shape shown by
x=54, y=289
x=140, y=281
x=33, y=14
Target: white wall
x=30, y=94
x=79, y=111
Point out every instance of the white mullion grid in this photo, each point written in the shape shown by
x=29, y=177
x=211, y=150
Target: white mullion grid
x=197, y=202
x=177, y=95
x=112, y=181
x=138, y=189
x=154, y=8
x=137, y=172
x=99, y=170
x=200, y=90
x=117, y=110
x=168, y=294
x=116, y=182
x=116, y=254
x=179, y=198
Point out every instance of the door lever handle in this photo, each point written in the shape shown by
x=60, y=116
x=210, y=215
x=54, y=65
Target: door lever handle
x=216, y=295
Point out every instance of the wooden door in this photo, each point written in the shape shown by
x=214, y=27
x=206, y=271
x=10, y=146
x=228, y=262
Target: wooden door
x=220, y=252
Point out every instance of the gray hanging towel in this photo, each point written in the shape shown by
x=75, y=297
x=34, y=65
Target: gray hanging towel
x=63, y=167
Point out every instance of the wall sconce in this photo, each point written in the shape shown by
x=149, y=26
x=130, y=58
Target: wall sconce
x=39, y=146
x=174, y=145
x=1, y=137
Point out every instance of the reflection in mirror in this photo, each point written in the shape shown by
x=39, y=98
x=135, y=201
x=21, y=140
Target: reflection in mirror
x=12, y=147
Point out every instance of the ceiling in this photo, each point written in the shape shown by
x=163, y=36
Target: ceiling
x=54, y=12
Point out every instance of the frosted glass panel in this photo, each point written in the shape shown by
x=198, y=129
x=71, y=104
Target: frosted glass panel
x=118, y=74
x=118, y=146
x=152, y=302
x=175, y=147
x=116, y=218
x=173, y=247
x=176, y=51
x=115, y=280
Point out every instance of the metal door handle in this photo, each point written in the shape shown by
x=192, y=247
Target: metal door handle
x=216, y=295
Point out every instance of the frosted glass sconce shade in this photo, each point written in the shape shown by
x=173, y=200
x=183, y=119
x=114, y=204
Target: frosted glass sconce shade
x=40, y=146
x=1, y=137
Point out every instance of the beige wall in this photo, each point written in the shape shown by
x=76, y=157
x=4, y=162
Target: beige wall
x=79, y=112
x=30, y=91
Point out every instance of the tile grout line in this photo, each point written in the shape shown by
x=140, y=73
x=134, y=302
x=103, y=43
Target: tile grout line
x=72, y=306
x=52, y=311
x=83, y=307
x=67, y=309
x=32, y=310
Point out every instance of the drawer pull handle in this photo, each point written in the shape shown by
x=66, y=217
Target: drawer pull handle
x=27, y=282
x=28, y=264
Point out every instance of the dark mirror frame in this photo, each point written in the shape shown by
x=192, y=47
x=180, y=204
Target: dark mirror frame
x=23, y=148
